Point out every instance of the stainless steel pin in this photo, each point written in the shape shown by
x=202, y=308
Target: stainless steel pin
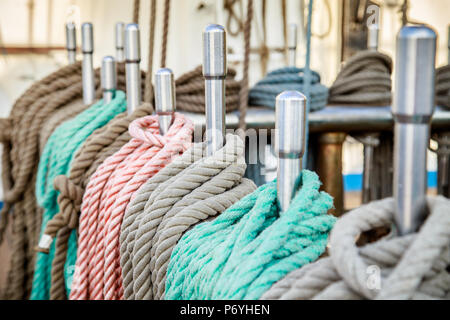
x=214, y=71
x=165, y=103
x=87, y=45
x=120, y=41
x=290, y=134
x=71, y=42
x=413, y=106
x=108, y=79
x=292, y=44
x=133, y=74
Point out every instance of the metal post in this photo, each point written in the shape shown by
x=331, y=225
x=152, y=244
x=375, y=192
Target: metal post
x=413, y=106
x=372, y=37
x=165, y=104
x=369, y=140
x=71, y=42
x=214, y=71
x=133, y=74
x=120, y=41
x=108, y=79
x=292, y=44
x=87, y=44
x=290, y=133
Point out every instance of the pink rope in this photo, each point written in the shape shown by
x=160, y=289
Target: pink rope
x=97, y=272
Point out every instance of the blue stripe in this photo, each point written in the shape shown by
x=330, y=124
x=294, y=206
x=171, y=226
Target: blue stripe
x=353, y=182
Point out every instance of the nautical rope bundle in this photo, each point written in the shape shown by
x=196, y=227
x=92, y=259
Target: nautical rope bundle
x=365, y=79
x=443, y=86
x=55, y=160
x=35, y=111
x=394, y=267
x=190, y=91
x=190, y=190
x=97, y=272
x=288, y=78
x=250, y=246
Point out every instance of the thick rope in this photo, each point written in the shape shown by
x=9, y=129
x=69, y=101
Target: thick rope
x=365, y=79
x=55, y=160
x=97, y=272
x=443, y=86
x=165, y=33
x=148, y=94
x=266, y=90
x=190, y=91
x=136, y=7
x=251, y=245
x=188, y=191
x=394, y=267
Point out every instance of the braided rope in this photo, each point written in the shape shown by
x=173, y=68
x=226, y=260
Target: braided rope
x=97, y=272
x=165, y=33
x=190, y=91
x=266, y=90
x=250, y=246
x=407, y=267
x=365, y=79
x=189, y=190
x=55, y=160
x=443, y=86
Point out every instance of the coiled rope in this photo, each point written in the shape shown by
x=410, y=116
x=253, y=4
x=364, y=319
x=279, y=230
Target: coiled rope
x=365, y=79
x=394, y=267
x=251, y=245
x=190, y=190
x=190, y=91
x=55, y=160
x=443, y=86
x=97, y=272
x=288, y=78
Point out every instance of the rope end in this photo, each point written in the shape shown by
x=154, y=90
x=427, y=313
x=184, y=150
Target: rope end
x=44, y=243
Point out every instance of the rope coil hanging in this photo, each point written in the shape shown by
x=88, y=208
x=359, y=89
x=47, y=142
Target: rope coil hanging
x=97, y=271
x=288, y=78
x=443, y=86
x=407, y=267
x=55, y=160
x=190, y=190
x=241, y=253
x=365, y=79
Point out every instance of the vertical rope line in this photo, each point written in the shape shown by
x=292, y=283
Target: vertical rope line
x=136, y=5
x=148, y=94
x=165, y=33
x=308, y=77
x=243, y=95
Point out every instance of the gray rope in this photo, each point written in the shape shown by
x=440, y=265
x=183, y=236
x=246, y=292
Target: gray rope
x=190, y=190
x=288, y=78
x=411, y=267
x=365, y=79
x=443, y=86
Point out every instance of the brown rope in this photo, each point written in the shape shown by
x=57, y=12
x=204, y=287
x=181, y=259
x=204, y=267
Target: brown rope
x=190, y=91
x=165, y=33
x=365, y=79
x=148, y=94
x=443, y=86
x=136, y=7
x=243, y=95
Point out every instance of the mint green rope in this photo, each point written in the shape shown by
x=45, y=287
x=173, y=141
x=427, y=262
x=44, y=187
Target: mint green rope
x=250, y=246
x=56, y=158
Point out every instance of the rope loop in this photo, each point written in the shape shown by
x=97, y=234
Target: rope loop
x=5, y=130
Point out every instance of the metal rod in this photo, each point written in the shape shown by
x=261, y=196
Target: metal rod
x=214, y=71
x=133, y=74
x=292, y=44
x=71, y=42
x=108, y=79
x=290, y=134
x=372, y=36
x=164, y=98
x=120, y=41
x=87, y=45
x=413, y=106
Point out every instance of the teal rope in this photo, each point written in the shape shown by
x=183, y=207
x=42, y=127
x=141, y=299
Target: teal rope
x=289, y=78
x=56, y=158
x=250, y=246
